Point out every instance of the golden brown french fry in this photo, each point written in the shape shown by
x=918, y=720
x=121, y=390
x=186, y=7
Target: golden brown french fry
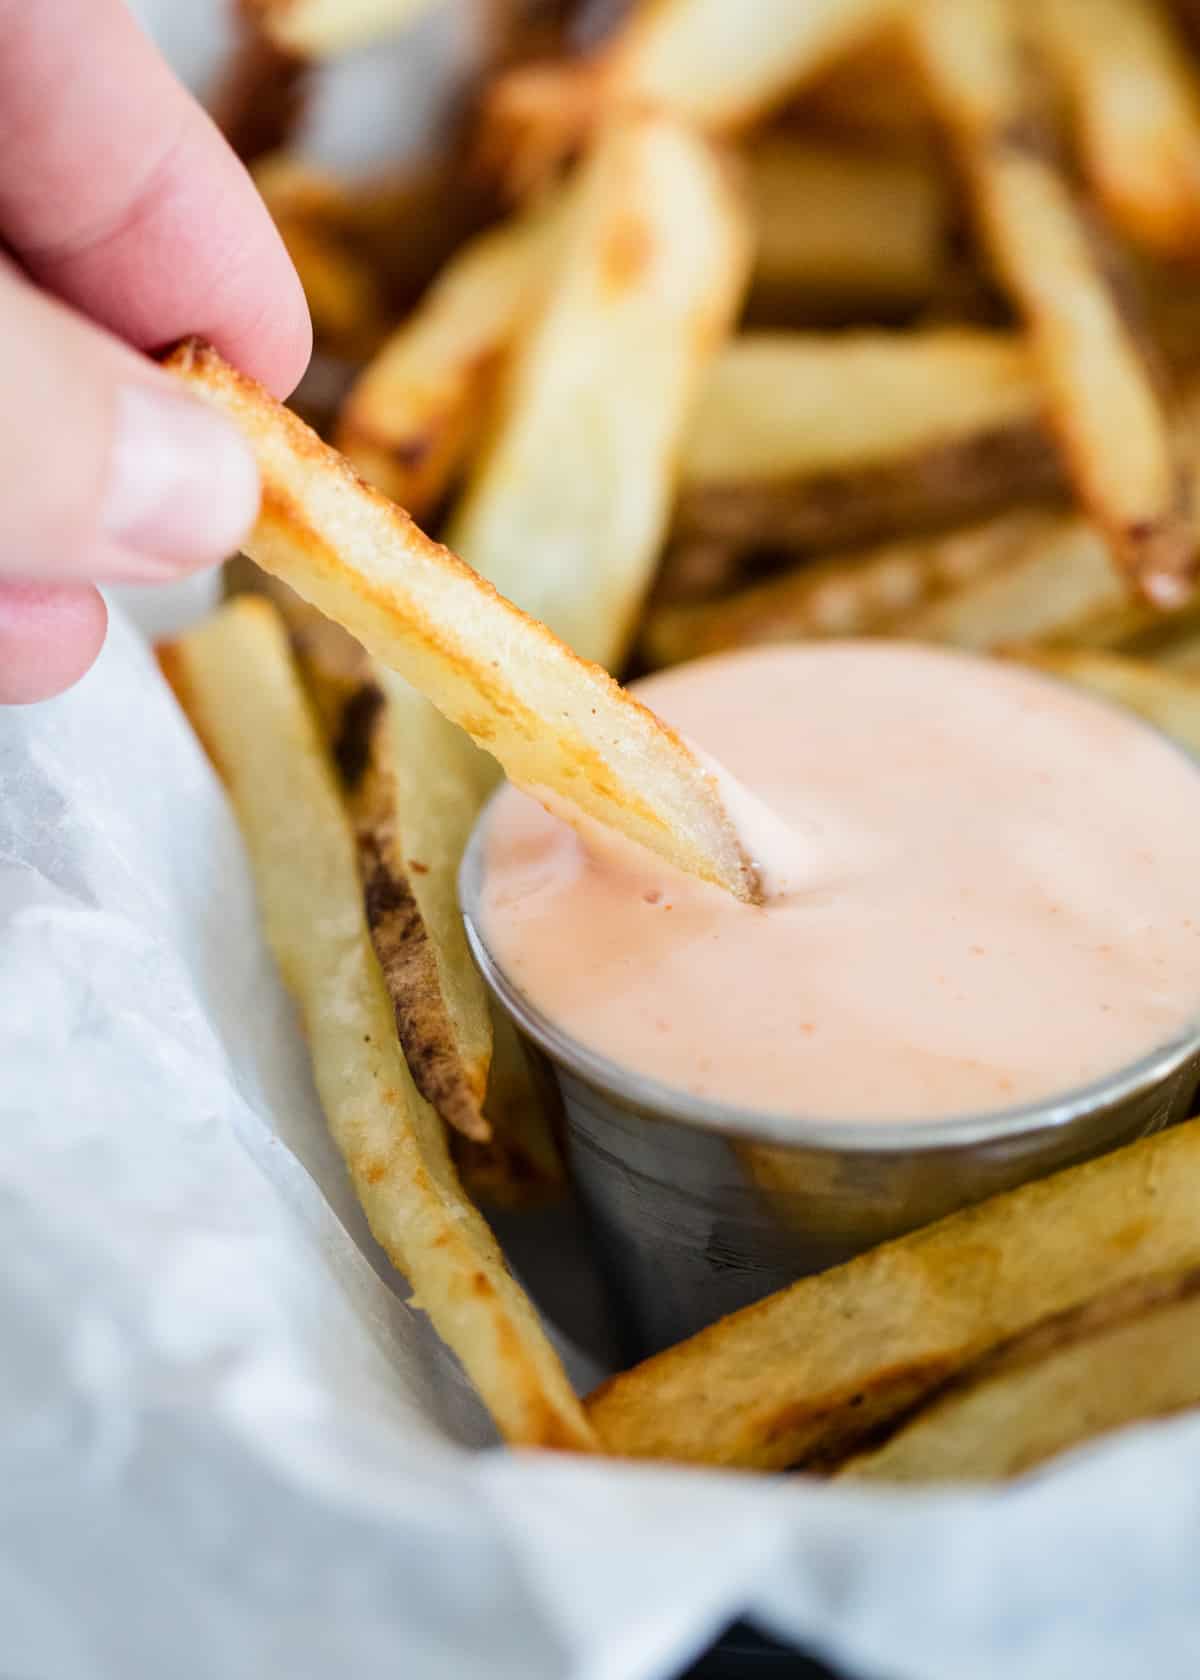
x=1135, y=106
x=417, y=410
x=413, y=793
x=566, y=509
x=718, y=67
x=1180, y=652
x=1168, y=699
x=325, y=28
x=235, y=679
x=816, y=440
x=555, y=723
x=849, y=595
x=413, y=784
x=1128, y=1356
x=1099, y=394
x=844, y=230
x=811, y=1373
x=1065, y=586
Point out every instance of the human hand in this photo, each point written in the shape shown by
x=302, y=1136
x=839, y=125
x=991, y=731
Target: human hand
x=128, y=223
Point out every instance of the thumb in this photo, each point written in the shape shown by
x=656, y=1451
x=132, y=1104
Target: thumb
x=109, y=472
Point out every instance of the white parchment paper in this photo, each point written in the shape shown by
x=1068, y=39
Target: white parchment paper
x=227, y=1446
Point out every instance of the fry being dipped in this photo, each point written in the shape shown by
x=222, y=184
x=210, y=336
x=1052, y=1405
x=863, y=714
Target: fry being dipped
x=555, y=723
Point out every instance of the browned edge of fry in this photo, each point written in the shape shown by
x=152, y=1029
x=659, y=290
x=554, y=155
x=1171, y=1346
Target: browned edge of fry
x=930, y=489
x=1110, y=1310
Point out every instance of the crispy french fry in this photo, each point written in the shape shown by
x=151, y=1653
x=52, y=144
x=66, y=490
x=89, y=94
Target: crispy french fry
x=1065, y=586
x=413, y=784
x=1099, y=393
x=849, y=595
x=235, y=679
x=813, y=1372
x=1135, y=106
x=843, y=230
x=1130, y=1355
x=815, y=440
x=1168, y=699
x=652, y=264
x=415, y=413
x=407, y=805
x=718, y=66
x=555, y=723
x=326, y=28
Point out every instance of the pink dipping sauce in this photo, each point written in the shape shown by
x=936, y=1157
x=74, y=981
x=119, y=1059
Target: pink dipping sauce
x=986, y=893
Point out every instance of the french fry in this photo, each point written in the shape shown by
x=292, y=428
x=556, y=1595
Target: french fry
x=718, y=67
x=413, y=784
x=235, y=680
x=326, y=28
x=1168, y=699
x=1130, y=1355
x=1135, y=106
x=848, y=595
x=843, y=230
x=1066, y=586
x=418, y=409
x=1100, y=397
x=816, y=440
x=651, y=267
x=812, y=1373
x=555, y=723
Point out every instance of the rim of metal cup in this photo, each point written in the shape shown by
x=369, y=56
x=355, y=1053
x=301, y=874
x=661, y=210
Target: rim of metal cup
x=799, y=1131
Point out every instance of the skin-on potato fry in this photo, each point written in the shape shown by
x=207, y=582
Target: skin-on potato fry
x=843, y=230
x=1135, y=107
x=325, y=28
x=872, y=93
x=413, y=784
x=814, y=440
x=1099, y=393
x=810, y=1374
x=847, y=595
x=418, y=809
x=235, y=679
x=1168, y=699
x=1130, y=1355
x=556, y=724
x=652, y=265
x=417, y=410
x=718, y=66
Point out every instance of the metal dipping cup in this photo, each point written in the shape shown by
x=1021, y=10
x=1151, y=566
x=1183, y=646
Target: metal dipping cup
x=698, y=1208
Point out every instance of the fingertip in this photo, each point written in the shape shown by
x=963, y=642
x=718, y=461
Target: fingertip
x=50, y=636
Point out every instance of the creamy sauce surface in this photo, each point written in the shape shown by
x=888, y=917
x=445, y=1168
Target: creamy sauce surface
x=985, y=892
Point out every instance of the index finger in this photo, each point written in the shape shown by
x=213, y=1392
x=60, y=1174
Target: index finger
x=118, y=194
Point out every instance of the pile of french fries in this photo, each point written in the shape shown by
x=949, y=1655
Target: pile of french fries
x=749, y=321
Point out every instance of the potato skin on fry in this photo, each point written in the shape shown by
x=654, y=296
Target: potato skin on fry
x=554, y=721
x=1129, y=1355
x=813, y=1372
x=235, y=679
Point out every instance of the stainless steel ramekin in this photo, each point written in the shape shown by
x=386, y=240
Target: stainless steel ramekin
x=699, y=1208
